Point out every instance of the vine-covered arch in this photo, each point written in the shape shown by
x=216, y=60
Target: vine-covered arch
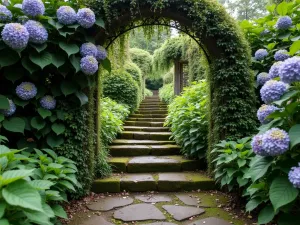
x=232, y=101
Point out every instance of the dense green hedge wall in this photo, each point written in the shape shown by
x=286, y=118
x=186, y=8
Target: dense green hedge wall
x=143, y=59
x=166, y=93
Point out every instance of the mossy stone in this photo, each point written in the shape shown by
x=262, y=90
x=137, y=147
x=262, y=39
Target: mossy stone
x=119, y=164
x=111, y=184
x=161, y=136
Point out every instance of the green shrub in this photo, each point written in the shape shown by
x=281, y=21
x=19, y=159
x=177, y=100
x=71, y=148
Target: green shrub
x=154, y=83
x=148, y=93
x=135, y=72
x=188, y=120
x=33, y=184
x=143, y=59
x=169, y=76
x=121, y=87
x=166, y=93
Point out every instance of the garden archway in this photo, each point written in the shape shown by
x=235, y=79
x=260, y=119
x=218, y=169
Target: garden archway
x=232, y=101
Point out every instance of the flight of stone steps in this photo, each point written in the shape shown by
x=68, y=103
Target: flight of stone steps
x=145, y=159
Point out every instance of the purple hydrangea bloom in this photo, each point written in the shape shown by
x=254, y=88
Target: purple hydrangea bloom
x=48, y=102
x=260, y=54
x=273, y=90
x=257, y=145
x=11, y=110
x=33, y=7
x=294, y=176
x=275, y=142
x=66, y=15
x=89, y=65
x=290, y=70
x=87, y=49
x=37, y=32
x=281, y=55
x=19, y=6
x=101, y=53
x=5, y=14
x=26, y=91
x=284, y=23
x=15, y=35
x=262, y=78
x=264, y=111
x=86, y=17
x=274, y=70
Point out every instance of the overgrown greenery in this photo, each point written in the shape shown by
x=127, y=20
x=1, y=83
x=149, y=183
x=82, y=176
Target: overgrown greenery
x=166, y=93
x=187, y=118
x=143, y=59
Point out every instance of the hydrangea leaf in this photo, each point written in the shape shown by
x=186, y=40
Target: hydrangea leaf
x=54, y=140
x=58, y=59
x=282, y=8
x=8, y=57
x=1, y=117
x=37, y=123
x=59, y=211
x=75, y=61
x=260, y=167
x=70, y=49
x=44, y=113
x=82, y=98
x=106, y=64
x=266, y=215
x=39, y=47
x=38, y=217
x=294, y=134
x=58, y=128
x=13, y=73
x=4, y=222
x=2, y=209
x=295, y=47
x=28, y=65
x=68, y=87
x=100, y=23
x=14, y=124
x=41, y=59
x=4, y=103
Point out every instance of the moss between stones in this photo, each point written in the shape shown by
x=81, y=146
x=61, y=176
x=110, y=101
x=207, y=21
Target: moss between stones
x=199, y=181
x=119, y=164
x=111, y=184
x=171, y=185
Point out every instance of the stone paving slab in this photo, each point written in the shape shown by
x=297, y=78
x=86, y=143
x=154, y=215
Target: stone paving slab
x=154, y=198
x=109, y=203
x=160, y=223
x=210, y=221
x=138, y=182
x=188, y=199
x=96, y=220
x=141, y=142
x=180, y=213
x=139, y=212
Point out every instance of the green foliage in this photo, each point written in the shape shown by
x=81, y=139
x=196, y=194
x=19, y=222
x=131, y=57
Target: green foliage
x=33, y=184
x=121, y=87
x=148, y=93
x=166, y=93
x=143, y=59
x=187, y=118
x=154, y=83
x=136, y=74
x=168, y=77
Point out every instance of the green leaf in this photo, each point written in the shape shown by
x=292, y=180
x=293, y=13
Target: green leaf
x=295, y=47
x=38, y=217
x=58, y=128
x=13, y=73
x=67, y=184
x=294, y=134
x=41, y=184
x=266, y=215
x=4, y=103
x=44, y=113
x=41, y=59
x=260, y=167
x=1, y=117
x=54, y=140
x=59, y=211
x=70, y=49
x=288, y=219
x=75, y=61
x=28, y=65
x=252, y=204
x=286, y=97
x=271, y=46
x=106, y=64
x=39, y=47
x=82, y=98
x=282, y=192
x=14, y=175
x=282, y=8
x=37, y=123
x=55, y=24
x=21, y=194
x=100, y=23
x=4, y=222
x=14, y=124
x=8, y=57
x=68, y=87
x=241, y=162
x=58, y=59
x=2, y=209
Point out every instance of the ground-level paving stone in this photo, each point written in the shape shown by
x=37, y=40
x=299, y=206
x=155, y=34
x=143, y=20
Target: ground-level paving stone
x=154, y=198
x=96, y=220
x=180, y=213
x=160, y=223
x=138, y=182
x=139, y=212
x=188, y=199
x=210, y=221
x=110, y=203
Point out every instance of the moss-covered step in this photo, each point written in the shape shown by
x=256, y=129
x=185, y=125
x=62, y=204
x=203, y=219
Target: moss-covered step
x=142, y=111
x=111, y=184
x=139, y=135
x=149, y=115
x=145, y=164
x=147, y=119
x=146, y=129
x=144, y=124
x=142, y=150
x=141, y=142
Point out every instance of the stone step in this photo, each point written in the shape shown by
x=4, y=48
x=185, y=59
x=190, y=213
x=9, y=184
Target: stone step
x=147, y=164
x=147, y=119
x=151, y=112
x=165, y=182
x=146, y=129
x=153, y=104
x=144, y=124
x=141, y=142
x=143, y=150
x=153, y=108
x=139, y=135
x=148, y=115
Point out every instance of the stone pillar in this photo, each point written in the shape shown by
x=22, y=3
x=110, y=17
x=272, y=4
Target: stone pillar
x=177, y=78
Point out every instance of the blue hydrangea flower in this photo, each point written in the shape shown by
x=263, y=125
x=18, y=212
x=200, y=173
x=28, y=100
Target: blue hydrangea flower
x=281, y=55
x=86, y=17
x=26, y=91
x=264, y=32
x=275, y=142
x=257, y=145
x=264, y=111
x=66, y=15
x=273, y=90
x=11, y=110
x=88, y=49
x=19, y=6
x=33, y=7
x=48, y=102
x=89, y=65
x=284, y=23
x=260, y=54
x=262, y=78
x=101, y=53
x=274, y=70
x=37, y=32
x=5, y=14
x=15, y=35
x=290, y=70
x=294, y=176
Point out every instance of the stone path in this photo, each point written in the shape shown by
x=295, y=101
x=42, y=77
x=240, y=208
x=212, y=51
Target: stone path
x=145, y=159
